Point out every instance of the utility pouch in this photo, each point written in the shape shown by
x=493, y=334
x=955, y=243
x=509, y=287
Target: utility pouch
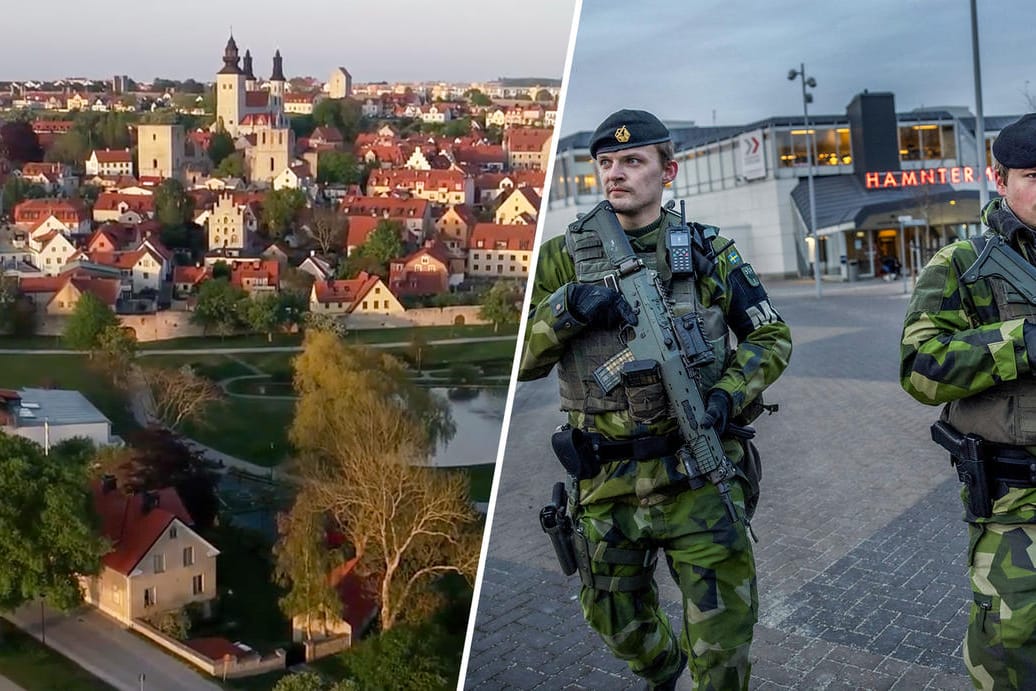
x=966, y=454
x=645, y=391
x=557, y=525
x=575, y=452
x=752, y=469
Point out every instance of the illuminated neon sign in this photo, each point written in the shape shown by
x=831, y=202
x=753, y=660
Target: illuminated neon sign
x=956, y=175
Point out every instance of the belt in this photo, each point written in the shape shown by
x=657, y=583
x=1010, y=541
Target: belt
x=638, y=449
x=1013, y=466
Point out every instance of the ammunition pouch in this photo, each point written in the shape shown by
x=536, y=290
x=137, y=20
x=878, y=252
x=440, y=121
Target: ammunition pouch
x=587, y=552
x=751, y=470
x=582, y=453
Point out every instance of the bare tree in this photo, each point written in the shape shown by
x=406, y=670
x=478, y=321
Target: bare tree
x=179, y=395
x=327, y=228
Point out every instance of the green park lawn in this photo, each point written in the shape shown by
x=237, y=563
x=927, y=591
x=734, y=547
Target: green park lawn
x=35, y=667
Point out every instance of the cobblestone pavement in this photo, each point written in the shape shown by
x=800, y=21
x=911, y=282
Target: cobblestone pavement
x=862, y=578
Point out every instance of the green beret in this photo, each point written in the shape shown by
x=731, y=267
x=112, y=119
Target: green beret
x=627, y=129
x=1015, y=147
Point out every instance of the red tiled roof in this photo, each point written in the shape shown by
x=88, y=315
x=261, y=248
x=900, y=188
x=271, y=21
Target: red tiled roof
x=189, y=274
x=348, y=290
x=131, y=531
x=110, y=201
x=359, y=229
x=409, y=179
x=41, y=284
x=357, y=597
x=527, y=139
x=500, y=236
x=327, y=134
x=106, y=289
x=217, y=649
x=256, y=99
x=269, y=269
x=392, y=207
x=33, y=210
x=117, y=156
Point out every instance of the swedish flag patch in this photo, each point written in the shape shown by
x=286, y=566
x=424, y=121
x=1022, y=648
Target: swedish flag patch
x=734, y=258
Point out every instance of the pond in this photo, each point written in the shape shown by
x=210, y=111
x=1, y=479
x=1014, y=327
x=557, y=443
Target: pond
x=479, y=415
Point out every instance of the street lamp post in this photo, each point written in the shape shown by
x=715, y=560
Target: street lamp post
x=811, y=227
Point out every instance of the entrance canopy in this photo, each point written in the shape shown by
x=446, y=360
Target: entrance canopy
x=843, y=203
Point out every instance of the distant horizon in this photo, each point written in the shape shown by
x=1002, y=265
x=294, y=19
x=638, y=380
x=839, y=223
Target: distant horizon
x=537, y=79
x=408, y=41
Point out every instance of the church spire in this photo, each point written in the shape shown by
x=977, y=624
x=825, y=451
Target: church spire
x=230, y=58
x=278, y=68
x=247, y=65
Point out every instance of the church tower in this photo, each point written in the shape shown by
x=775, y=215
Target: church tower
x=277, y=88
x=230, y=90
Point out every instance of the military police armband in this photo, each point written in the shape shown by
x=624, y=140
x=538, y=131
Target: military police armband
x=750, y=306
x=564, y=322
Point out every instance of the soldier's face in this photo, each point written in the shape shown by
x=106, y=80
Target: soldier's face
x=633, y=180
x=1020, y=192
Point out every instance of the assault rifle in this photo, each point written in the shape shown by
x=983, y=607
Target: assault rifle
x=677, y=343
x=999, y=260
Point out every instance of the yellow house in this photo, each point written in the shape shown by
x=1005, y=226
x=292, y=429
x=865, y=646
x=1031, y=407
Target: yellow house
x=521, y=206
x=157, y=562
x=365, y=294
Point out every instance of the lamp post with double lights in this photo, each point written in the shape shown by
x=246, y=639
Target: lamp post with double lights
x=811, y=227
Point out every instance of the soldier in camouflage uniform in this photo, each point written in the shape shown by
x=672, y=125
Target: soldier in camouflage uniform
x=640, y=499
x=972, y=346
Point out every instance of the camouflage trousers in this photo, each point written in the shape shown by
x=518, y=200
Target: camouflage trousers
x=710, y=558
x=1000, y=647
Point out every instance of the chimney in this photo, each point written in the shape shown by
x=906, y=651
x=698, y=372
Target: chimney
x=149, y=502
x=108, y=483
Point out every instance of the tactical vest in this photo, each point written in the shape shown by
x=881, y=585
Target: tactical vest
x=1005, y=413
x=593, y=348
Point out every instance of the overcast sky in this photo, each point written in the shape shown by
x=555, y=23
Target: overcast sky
x=403, y=40
x=685, y=60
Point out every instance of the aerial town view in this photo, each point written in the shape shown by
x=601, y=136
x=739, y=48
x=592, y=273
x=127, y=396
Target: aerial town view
x=256, y=331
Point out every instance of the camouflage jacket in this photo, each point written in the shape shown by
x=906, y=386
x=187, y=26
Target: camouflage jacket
x=762, y=353
x=955, y=344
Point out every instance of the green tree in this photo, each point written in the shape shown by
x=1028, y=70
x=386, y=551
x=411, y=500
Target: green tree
x=328, y=228
x=382, y=245
x=17, y=190
x=404, y=657
x=345, y=114
x=281, y=209
x=457, y=128
x=339, y=167
x=219, y=306
x=233, y=166
x=173, y=206
x=303, y=564
x=500, y=304
x=477, y=98
x=264, y=314
x=87, y=322
x=71, y=148
x=116, y=348
x=301, y=681
x=221, y=145
x=48, y=529
x=363, y=429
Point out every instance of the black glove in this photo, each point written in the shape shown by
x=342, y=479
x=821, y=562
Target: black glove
x=717, y=411
x=599, y=306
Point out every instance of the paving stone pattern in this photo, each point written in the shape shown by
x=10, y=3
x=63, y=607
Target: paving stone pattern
x=862, y=577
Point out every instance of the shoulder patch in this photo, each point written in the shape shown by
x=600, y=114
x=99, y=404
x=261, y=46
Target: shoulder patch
x=733, y=257
x=750, y=275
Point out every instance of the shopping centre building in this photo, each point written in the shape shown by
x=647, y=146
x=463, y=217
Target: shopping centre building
x=878, y=174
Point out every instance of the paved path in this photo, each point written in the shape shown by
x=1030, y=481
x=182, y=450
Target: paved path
x=860, y=557
x=257, y=349
x=8, y=685
x=102, y=647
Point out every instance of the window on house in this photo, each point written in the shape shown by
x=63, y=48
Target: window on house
x=149, y=597
x=172, y=532
x=499, y=268
x=159, y=563
x=198, y=584
x=364, y=305
x=188, y=556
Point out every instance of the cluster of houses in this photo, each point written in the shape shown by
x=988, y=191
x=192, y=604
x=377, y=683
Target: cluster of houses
x=465, y=208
